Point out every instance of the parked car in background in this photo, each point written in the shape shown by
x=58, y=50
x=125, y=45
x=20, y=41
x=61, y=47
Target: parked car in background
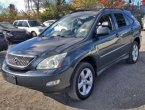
x=34, y=27
x=13, y=34
x=143, y=23
x=3, y=43
x=73, y=51
x=49, y=22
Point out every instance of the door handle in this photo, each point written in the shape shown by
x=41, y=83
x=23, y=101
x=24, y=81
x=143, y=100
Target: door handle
x=132, y=29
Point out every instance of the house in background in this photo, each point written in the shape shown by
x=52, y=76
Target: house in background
x=142, y=9
x=135, y=6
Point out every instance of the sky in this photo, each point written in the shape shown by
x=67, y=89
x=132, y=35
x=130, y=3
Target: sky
x=19, y=4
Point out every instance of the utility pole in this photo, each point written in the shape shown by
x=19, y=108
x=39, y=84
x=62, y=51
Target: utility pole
x=131, y=2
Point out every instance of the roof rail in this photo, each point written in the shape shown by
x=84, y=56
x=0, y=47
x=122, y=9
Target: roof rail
x=114, y=8
x=87, y=9
x=94, y=9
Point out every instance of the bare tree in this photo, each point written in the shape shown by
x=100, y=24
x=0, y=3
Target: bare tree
x=34, y=4
x=37, y=5
x=59, y=4
x=27, y=4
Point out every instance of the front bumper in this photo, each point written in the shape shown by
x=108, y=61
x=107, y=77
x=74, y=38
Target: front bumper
x=38, y=79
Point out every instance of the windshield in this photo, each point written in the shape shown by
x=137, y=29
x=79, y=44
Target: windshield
x=74, y=25
x=7, y=25
x=34, y=23
x=1, y=28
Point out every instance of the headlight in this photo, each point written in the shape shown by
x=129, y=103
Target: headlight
x=52, y=62
x=7, y=33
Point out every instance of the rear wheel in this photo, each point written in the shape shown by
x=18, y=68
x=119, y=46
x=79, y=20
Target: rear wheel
x=134, y=53
x=82, y=81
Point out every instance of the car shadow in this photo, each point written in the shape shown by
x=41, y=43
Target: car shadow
x=120, y=87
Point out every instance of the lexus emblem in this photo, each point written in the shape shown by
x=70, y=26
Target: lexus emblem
x=15, y=60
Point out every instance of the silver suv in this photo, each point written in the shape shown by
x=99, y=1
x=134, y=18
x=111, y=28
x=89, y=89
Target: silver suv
x=34, y=27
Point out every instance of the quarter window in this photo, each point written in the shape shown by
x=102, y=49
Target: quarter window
x=25, y=24
x=129, y=20
x=120, y=20
x=1, y=28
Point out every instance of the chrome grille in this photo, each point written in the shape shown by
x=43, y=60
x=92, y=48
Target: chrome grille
x=18, y=61
x=19, y=34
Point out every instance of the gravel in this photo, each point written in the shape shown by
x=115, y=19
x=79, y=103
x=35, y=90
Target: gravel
x=120, y=87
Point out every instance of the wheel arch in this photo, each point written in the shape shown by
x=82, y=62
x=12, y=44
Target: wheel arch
x=89, y=59
x=137, y=39
x=32, y=31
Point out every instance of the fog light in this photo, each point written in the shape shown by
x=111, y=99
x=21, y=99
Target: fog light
x=53, y=83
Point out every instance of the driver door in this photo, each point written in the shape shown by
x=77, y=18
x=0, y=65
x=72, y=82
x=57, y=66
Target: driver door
x=108, y=44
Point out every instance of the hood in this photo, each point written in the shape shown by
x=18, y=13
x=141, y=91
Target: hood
x=16, y=30
x=37, y=46
x=18, y=33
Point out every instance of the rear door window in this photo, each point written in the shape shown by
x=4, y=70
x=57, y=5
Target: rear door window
x=120, y=20
x=20, y=24
x=25, y=24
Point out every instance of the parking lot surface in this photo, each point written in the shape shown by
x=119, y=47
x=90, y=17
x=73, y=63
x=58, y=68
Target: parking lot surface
x=120, y=87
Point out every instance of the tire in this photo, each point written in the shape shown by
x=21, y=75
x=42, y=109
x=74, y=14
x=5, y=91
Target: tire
x=81, y=87
x=134, y=53
x=33, y=34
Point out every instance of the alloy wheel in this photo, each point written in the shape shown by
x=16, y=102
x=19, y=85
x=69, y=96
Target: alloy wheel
x=135, y=52
x=85, y=81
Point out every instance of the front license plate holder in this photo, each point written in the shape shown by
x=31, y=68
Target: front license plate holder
x=11, y=78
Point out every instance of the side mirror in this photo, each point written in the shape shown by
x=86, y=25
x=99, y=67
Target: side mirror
x=103, y=31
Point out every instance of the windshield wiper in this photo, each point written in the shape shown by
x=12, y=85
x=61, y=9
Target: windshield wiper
x=41, y=35
x=57, y=36
x=60, y=36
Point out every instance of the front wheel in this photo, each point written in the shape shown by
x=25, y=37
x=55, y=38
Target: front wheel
x=82, y=82
x=33, y=34
x=134, y=53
